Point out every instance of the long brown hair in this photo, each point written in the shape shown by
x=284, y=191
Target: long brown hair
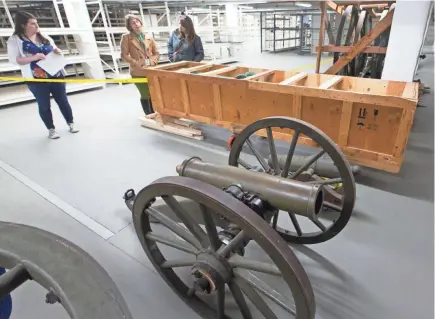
x=21, y=19
x=189, y=30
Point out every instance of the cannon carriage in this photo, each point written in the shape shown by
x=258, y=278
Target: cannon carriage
x=212, y=215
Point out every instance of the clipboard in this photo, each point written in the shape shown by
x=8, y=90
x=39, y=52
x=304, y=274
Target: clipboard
x=52, y=63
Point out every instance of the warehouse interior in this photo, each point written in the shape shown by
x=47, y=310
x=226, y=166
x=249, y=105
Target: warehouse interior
x=380, y=265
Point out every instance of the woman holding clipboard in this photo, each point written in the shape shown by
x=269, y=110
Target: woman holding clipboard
x=26, y=47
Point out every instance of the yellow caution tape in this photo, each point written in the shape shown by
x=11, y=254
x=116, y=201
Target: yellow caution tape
x=129, y=80
x=135, y=80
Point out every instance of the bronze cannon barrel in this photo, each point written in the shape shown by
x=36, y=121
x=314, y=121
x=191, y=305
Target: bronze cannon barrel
x=284, y=194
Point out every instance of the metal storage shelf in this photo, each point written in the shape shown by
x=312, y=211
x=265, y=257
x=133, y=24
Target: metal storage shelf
x=69, y=28
x=89, y=33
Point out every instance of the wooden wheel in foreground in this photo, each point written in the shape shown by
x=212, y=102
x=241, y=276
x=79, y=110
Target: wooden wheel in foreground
x=214, y=257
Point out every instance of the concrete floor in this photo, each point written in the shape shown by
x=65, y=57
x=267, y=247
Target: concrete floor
x=380, y=266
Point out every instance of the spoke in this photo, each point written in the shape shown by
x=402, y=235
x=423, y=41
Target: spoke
x=174, y=243
x=178, y=263
x=241, y=262
x=243, y=163
x=187, y=220
x=312, y=159
x=240, y=300
x=236, y=241
x=12, y=279
x=255, y=299
x=295, y=223
x=258, y=155
x=173, y=226
x=221, y=300
x=290, y=154
x=319, y=224
x=273, y=151
x=210, y=226
x=332, y=206
x=326, y=181
x=265, y=289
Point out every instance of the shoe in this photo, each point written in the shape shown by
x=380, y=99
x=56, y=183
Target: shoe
x=72, y=129
x=53, y=134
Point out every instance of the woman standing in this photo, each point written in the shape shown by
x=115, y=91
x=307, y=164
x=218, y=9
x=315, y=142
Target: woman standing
x=184, y=44
x=139, y=51
x=26, y=47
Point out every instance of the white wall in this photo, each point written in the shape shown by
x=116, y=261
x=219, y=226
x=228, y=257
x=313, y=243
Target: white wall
x=406, y=37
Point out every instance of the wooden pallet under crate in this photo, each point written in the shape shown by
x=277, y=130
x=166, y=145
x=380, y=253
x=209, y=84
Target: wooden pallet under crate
x=369, y=119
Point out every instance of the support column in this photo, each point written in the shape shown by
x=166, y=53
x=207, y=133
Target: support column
x=78, y=18
x=232, y=21
x=406, y=37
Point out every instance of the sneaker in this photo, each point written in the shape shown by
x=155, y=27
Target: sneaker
x=72, y=129
x=53, y=134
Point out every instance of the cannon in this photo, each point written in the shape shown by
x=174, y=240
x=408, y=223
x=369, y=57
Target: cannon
x=216, y=213
x=71, y=276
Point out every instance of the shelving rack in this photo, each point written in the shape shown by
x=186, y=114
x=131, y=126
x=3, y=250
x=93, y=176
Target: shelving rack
x=65, y=24
x=89, y=31
x=280, y=31
x=107, y=18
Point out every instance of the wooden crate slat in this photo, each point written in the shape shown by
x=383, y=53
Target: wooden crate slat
x=369, y=119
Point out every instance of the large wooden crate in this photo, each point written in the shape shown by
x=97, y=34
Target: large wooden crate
x=369, y=119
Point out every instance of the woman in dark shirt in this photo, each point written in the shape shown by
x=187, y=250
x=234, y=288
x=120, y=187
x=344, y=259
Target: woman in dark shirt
x=184, y=44
x=26, y=47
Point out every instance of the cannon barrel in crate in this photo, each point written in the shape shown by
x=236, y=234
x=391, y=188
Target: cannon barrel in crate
x=282, y=193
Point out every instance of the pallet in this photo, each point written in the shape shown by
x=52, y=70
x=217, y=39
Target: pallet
x=369, y=119
x=172, y=125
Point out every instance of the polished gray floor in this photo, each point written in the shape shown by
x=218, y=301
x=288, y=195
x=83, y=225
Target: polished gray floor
x=380, y=266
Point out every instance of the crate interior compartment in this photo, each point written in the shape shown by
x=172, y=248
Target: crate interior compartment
x=179, y=66
x=240, y=72
x=378, y=87
x=301, y=79
x=203, y=68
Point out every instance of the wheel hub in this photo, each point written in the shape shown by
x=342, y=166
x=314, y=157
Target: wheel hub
x=210, y=271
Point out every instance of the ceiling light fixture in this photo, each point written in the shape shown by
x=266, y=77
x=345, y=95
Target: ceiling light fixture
x=303, y=4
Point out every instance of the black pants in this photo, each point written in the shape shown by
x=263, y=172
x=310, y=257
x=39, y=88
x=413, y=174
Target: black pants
x=42, y=91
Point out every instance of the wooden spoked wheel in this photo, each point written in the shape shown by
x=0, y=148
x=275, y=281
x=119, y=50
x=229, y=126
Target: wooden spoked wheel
x=340, y=191
x=213, y=260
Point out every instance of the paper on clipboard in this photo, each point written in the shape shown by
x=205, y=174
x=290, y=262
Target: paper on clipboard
x=52, y=63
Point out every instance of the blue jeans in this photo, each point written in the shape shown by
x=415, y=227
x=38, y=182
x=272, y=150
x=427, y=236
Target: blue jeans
x=5, y=303
x=42, y=91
